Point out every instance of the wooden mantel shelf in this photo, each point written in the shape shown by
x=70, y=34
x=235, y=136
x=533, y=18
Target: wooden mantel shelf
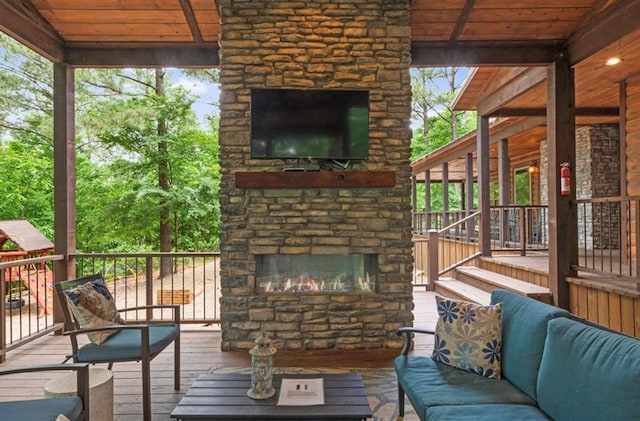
x=314, y=179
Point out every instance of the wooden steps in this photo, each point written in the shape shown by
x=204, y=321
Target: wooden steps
x=475, y=284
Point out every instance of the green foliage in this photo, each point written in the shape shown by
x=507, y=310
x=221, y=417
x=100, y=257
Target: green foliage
x=119, y=148
x=433, y=92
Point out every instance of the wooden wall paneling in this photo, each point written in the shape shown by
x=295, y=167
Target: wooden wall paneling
x=614, y=312
x=582, y=302
x=592, y=305
x=636, y=317
x=603, y=308
x=627, y=315
x=574, y=298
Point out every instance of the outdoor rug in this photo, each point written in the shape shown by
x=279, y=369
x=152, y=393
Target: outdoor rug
x=380, y=384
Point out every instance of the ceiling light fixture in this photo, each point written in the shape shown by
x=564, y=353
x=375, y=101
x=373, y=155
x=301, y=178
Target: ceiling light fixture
x=613, y=61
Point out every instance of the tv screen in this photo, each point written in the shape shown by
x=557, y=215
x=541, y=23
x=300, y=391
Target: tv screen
x=318, y=124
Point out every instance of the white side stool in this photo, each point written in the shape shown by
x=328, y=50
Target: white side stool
x=100, y=391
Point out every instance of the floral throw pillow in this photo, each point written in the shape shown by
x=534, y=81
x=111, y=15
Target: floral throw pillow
x=469, y=336
x=93, y=306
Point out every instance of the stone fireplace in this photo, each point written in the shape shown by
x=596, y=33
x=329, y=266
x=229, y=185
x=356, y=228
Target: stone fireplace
x=356, y=215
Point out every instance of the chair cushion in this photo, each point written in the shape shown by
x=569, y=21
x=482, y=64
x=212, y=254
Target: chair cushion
x=42, y=409
x=524, y=329
x=429, y=383
x=469, y=336
x=489, y=412
x=126, y=345
x=93, y=306
x=589, y=373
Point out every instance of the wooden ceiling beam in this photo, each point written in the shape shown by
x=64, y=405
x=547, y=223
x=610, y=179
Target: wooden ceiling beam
x=519, y=85
x=462, y=19
x=516, y=128
x=21, y=20
x=537, y=112
x=470, y=53
x=467, y=144
x=602, y=29
x=143, y=55
x=191, y=20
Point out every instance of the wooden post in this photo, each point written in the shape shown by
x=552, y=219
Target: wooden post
x=64, y=174
x=445, y=194
x=432, y=252
x=563, y=220
x=483, y=184
x=504, y=181
x=414, y=205
x=427, y=200
x=468, y=174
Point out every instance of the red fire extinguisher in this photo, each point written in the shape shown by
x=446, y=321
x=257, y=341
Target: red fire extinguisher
x=565, y=179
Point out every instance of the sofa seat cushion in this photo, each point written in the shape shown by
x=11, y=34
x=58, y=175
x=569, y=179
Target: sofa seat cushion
x=127, y=344
x=524, y=329
x=429, y=383
x=42, y=409
x=489, y=412
x=589, y=373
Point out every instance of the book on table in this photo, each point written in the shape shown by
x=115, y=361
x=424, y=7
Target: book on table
x=296, y=392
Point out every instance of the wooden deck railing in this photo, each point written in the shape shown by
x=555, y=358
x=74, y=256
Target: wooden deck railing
x=133, y=279
x=609, y=236
x=442, y=251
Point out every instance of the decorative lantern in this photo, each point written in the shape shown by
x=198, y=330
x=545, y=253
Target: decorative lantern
x=262, y=368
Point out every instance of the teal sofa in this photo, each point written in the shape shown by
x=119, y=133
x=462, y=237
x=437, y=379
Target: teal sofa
x=554, y=366
x=73, y=408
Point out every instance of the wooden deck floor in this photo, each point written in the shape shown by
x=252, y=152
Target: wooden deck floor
x=200, y=351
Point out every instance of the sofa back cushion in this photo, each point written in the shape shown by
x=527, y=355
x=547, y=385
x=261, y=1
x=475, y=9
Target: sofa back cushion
x=589, y=373
x=524, y=329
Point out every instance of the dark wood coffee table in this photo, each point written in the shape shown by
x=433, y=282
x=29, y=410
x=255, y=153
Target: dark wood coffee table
x=224, y=397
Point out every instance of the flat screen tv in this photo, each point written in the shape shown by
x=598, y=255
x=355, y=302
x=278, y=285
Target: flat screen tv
x=315, y=124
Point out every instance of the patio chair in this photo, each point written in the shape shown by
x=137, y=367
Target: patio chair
x=89, y=308
x=74, y=408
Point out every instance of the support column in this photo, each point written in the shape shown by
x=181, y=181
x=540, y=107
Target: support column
x=445, y=194
x=415, y=217
x=468, y=175
x=563, y=221
x=483, y=184
x=468, y=181
x=427, y=200
x=64, y=172
x=504, y=182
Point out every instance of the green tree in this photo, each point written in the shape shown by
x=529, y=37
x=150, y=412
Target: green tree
x=121, y=146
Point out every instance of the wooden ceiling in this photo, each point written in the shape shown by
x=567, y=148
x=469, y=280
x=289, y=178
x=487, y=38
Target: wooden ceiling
x=451, y=32
x=503, y=38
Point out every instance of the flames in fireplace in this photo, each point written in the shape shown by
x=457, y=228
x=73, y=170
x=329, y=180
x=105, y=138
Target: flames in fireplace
x=307, y=283
x=308, y=273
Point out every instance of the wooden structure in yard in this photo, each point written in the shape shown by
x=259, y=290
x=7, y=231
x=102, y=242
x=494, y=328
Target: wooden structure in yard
x=29, y=242
x=540, y=68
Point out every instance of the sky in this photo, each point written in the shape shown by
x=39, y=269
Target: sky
x=207, y=94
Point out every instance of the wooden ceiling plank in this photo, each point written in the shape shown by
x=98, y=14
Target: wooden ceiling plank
x=106, y=4
x=567, y=14
x=191, y=20
x=603, y=29
x=425, y=54
x=538, y=112
x=114, y=16
x=22, y=21
x=147, y=55
x=106, y=30
x=516, y=87
x=517, y=31
x=531, y=4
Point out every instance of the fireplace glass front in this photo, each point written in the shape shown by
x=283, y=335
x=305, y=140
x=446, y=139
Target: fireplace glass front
x=306, y=273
